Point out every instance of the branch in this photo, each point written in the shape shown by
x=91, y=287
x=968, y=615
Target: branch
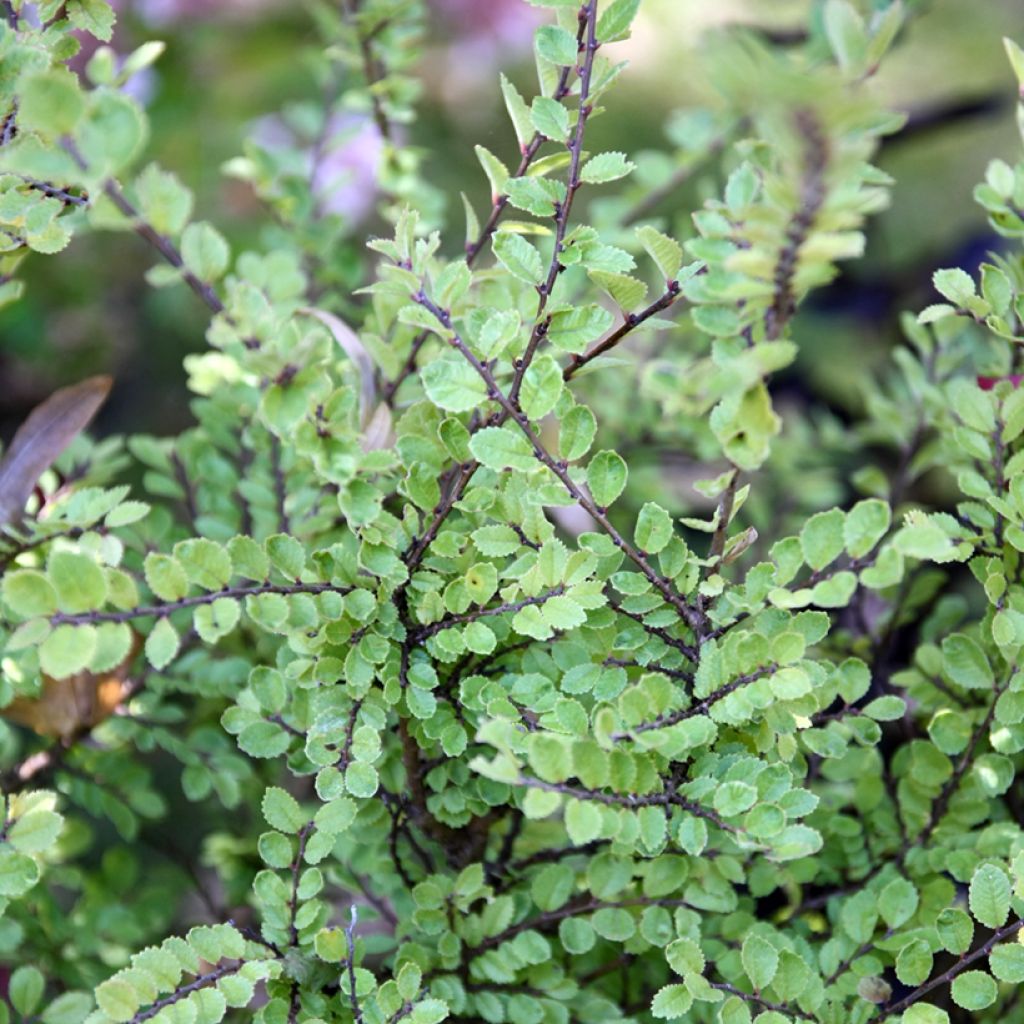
x=424, y=632
x=670, y=799
x=350, y=965
x=163, y=245
x=812, y=198
x=163, y=610
x=764, y=1004
x=203, y=981
x=701, y=707
x=962, y=964
x=588, y=23
x=473, y=249
x=372, y=70
x=693, y=618
x=632, y=321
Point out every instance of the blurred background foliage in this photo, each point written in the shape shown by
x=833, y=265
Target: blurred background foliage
x=232, y=67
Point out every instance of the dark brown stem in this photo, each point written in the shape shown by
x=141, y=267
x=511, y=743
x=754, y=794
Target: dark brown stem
x=948, y=976
x=812, y=198
x=372, y=70
x=588, y=25
x=424, y=632
x=630, y=324
x=669, y=799
x=473, y=249
x=701, y=707
x=691, y=616
x=163, y=610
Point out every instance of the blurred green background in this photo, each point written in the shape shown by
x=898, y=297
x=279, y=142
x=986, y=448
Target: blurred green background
x=230, y=63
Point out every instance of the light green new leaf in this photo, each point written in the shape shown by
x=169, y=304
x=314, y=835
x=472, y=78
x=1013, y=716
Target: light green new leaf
x=760, y=960
x=452, y=384
x=502, y=448
x=519, y=257
x=606, y=477
x=606, y=167
x=989, y=896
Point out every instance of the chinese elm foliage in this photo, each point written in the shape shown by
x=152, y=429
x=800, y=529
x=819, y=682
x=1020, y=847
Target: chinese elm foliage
x=410, y=692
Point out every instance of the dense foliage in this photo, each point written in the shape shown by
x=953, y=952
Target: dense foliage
x=414, y=690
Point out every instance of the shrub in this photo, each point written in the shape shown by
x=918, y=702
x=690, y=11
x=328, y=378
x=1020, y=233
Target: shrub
x=410, y=689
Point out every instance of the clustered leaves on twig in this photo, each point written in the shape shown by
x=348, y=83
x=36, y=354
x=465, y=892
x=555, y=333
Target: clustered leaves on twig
x=504, y=728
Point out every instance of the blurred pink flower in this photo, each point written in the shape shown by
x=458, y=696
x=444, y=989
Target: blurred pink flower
x=501, y=22
x=472, y=38
x=480, y=29
x=343, y=165
x=163, y=12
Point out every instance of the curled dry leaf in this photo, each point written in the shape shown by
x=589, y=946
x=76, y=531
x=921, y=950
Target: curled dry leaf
x=66, y=708
x=39, y=441
x=374, y=416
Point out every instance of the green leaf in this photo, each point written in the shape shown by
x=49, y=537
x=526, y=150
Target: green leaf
x=897, y=902
x=535, y=195
x=684, y=956
x=282, y=811
x=552, y=888
x=666, y=252
x=582, y=822
x=576, y=433
x=206, y=563
x=67, y=650
x=29, y=593
x=519, y=257
x=502, y=448
x=496, y=171
x=36, y=831
x=955, y=284
x=653, y=528
x=866, y=524
x=557, y=45
x=733, y=798
x=92, y=16
x=925, y=1013
x=361, y=779
x=914, y=962
x=118, y=999
x=626, y=291
x=542, y=387
x=80, y=583
x=989, y=896
x=1006, y=961
x=452, y=384
x=1016, y=57
x=550, y=118
x=606, y=167
x=25, y=989
x=573, y=330
x=955, y=930
x=974, y=990
x=50, y=102
x=518, y=111
x=68, y=1008
x=18, y=873
x=163, y=200
x=965, y=663
x=760, y=960
x=614, y=23
x=822, y=538
x=846, y=33
x=162, y=644
x=204, y=251
x=562, y=612
x=671, y=1002
x=606, y=477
